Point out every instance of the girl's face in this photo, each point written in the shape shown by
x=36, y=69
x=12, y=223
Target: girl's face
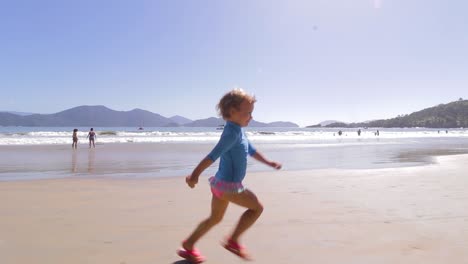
x=243, y=115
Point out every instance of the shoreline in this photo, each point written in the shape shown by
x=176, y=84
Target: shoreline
x=154, y=160
x=392, y=215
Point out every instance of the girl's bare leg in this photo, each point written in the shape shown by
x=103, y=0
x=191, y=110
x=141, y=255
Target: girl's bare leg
x=254, y=210
x=218, y=208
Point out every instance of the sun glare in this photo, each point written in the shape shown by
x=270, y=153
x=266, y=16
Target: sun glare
x=377, y=4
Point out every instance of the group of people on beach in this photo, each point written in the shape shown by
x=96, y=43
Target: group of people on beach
x=358, y=132
x=91, y=136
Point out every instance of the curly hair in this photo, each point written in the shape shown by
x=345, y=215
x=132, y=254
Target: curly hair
x=233, y=99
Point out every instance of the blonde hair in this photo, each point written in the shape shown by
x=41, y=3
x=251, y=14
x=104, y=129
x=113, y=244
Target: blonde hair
x=233, y=99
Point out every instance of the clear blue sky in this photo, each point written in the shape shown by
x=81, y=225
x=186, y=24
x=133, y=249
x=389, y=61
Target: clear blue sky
x=306, y=61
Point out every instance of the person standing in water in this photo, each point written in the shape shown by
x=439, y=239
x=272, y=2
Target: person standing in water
x=75, y=138
x=91, y=136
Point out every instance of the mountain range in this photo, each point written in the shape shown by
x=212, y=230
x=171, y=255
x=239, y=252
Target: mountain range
x=450, y=115
x=101, y=116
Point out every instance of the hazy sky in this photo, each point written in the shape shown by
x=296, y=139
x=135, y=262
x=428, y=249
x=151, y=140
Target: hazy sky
x=306, y=61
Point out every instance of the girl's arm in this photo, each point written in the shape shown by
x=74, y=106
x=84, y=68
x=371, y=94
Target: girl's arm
x=226, y=141
x=192, y=179
x=258, y=156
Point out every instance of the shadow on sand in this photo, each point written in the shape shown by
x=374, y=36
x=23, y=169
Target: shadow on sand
x=182, y=262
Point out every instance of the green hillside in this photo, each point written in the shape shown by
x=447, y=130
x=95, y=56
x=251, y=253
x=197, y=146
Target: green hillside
x=451, y=115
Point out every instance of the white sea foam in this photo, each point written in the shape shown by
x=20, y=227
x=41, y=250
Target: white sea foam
x=38, y=136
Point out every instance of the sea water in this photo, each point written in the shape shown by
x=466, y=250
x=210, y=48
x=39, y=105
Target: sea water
x=310, y=136
x=44, y=152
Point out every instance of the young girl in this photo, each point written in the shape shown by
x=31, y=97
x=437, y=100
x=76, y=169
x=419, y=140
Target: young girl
x=236, y=108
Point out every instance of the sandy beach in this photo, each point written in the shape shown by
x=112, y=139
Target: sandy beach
x=399, y=215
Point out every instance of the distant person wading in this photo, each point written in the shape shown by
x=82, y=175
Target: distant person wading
x=92, y=137
x=75, y=138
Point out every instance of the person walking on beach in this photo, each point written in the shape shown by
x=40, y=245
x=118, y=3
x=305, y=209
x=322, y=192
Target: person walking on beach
x=92, y=137
x=236, y=108
x=75, y=138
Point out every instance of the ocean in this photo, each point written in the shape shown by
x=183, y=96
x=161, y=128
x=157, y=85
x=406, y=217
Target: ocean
x=315, y=136
x=45, y=152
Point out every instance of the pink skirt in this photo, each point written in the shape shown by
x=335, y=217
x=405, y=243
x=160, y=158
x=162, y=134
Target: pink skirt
x=219, y=187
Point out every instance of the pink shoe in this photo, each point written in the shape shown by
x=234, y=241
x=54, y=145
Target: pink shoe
x=192, y=256
x=237, y=249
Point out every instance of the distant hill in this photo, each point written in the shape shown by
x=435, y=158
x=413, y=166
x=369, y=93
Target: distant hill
x=214, y=122
x=208, y=122
x=88, y=116
x=326, y=123
x=451, y=115
x=8, y=119
x=338, y=124
x=101, y=116
x=17, y=113
x=180, y=120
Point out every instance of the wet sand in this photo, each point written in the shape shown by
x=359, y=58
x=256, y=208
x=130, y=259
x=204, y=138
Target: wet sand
x=113, y=160
x=153, y=160
x=399, y=215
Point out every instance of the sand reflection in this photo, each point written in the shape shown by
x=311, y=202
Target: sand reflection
x=91, y=160
x=74, y=161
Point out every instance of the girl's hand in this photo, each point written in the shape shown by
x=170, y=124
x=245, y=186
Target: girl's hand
x=276, y=165
x=190, y=181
